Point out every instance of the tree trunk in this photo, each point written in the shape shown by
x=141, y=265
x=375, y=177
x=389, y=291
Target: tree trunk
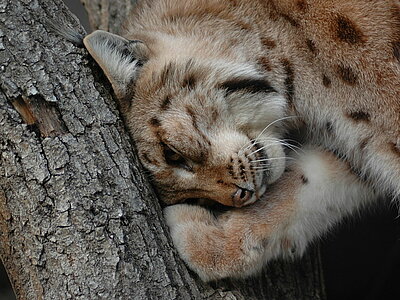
x=77, y=218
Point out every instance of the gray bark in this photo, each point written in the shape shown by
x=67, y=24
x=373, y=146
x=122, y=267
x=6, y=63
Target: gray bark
x=78, y=219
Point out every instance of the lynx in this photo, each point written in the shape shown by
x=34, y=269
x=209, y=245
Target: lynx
x=210, y=90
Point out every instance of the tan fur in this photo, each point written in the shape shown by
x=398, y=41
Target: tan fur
x=221, y=80
x=335, y=62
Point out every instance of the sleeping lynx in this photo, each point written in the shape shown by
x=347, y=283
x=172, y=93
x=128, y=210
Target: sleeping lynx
x=209, y=89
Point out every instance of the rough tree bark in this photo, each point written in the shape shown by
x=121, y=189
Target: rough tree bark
x=77, y=218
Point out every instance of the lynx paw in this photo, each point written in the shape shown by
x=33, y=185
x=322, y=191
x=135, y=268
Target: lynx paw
x=213, y=249
x=189, y=227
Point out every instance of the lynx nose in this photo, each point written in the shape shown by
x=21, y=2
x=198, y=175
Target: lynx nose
x=241, y=196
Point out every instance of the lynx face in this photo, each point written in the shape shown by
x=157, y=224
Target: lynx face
x=187, y=120
x=191, y=120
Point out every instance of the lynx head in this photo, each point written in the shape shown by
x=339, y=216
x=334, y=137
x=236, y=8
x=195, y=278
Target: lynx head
x=205, y=129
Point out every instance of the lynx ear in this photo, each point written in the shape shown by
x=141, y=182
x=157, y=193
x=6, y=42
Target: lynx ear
x=119, y=58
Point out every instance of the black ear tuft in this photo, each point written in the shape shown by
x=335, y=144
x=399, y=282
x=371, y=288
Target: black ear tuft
x=69, y=34
x=119, y=58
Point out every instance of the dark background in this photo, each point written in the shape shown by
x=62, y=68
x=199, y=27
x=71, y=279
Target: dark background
x=77, y=8
x=361, y=257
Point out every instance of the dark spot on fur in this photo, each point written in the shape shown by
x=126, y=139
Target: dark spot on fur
x=189, y=82
x=396, y=50
x=326, y=81
x=247, y=84
x=220, y=181
x=347, y=75
x=268, y=43
x=380, y=78
x=289, y=80
x=395, y=148
x=301, y=5
x=146, y=158
x=359, y=116
x=166, y=102
x=166, y=73
x=347, y=31
x=230, y=170
x=311, y=46
x=192, y=115
x=364, y=143
x=242, y=172
x=265, y=63
x=214, y=115
x=304, y=179
x=243, y=25
x=155, y=122
x=329, y=127
x=292, y=21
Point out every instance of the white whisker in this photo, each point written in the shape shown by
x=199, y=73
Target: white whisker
x=273, y=141
x=272, y=123
x=273, y=158
x=252, y=142
x=265, y=146
x=247, y=146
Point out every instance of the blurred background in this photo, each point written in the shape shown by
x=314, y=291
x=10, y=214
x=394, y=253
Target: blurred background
x=77, y=8
x=361, y=257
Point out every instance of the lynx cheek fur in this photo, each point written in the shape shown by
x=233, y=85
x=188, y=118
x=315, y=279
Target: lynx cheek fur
x=208, y=89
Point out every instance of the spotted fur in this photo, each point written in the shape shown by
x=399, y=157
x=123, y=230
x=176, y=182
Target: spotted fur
x=209, y=90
